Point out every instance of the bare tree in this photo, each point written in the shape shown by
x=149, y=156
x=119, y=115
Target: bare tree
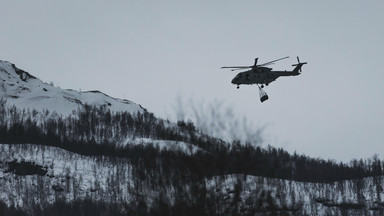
x=218, y=119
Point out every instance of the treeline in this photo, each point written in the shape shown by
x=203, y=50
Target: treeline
x=95, y=208
x=79, y=207
x=89, y=124
x=96, y=131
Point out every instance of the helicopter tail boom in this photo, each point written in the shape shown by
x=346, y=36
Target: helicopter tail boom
x=297, y=69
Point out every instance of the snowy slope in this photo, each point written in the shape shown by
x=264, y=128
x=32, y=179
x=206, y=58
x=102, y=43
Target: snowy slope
x=71, y=176
x=79, y=176
x=163, y=145
x=348, y=197
x=26, y=91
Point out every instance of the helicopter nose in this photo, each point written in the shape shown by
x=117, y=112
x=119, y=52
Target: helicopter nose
x=234, y=81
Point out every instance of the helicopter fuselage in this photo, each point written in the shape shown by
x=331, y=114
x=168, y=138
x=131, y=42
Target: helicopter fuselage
x=262, y=75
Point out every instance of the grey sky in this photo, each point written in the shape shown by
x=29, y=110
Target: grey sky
x=150, y=51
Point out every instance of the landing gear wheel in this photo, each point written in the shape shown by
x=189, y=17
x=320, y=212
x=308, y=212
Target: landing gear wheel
x=262, y=86
x=238, y=86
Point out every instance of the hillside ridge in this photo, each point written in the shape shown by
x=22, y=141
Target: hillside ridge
x=24, y=90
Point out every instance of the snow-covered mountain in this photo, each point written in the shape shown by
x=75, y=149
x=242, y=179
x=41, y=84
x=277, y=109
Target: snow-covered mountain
x=133, y=163
x=26, y=91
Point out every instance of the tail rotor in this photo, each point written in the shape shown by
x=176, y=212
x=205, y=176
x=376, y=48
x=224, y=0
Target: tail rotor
x=299, y=64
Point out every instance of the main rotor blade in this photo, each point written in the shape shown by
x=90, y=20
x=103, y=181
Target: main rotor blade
x=266, y=64
x=272, y=61
x=240, y=67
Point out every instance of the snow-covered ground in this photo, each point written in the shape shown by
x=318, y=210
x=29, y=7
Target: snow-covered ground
x=359, y=196
x=26, y=91
x=79, y=176
x=168, y=145
x=71, y=176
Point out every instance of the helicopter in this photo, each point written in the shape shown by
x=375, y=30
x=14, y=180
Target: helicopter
x=262, y=75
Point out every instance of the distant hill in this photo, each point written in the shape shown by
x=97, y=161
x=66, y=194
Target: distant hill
x=26, y=91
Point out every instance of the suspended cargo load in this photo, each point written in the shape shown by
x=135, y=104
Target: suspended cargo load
x=264, y=98
x=263, y=95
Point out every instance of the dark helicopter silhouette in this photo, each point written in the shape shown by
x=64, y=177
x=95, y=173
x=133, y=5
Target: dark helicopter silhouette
x=262, y=75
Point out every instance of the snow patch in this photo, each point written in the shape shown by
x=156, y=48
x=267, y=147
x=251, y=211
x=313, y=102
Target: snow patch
x=167, y=145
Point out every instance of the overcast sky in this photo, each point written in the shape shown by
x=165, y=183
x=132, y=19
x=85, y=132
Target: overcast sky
x=151, y=51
